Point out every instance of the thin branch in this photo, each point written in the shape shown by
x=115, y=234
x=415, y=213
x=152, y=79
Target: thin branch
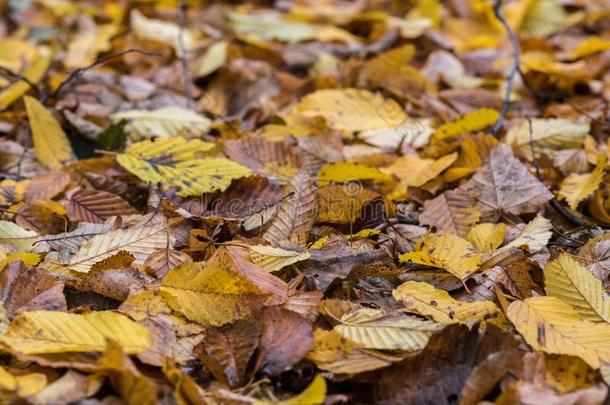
x=18, y=76
x=186, y=75
x=80, y=71
x=497, y=7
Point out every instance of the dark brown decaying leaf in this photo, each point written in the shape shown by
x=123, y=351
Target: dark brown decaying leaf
x=227, y=350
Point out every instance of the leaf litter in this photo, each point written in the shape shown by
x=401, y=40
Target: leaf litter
x=304, y=202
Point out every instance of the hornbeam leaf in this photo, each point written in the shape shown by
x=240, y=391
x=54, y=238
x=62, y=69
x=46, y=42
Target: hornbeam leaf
x=424, y=299
x=550, y=325
x=59, y=332
x=175, y=162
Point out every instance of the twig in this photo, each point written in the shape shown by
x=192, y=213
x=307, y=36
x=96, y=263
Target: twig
x=497, y=7
x=186, y=76
x=16, y=75
x=80, y=71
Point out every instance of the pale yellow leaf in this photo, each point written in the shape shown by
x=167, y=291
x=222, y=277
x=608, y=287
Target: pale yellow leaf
x=424, y=299
x=34, y=72
x=552, y=326
x=22, y=239
x=273, y=259
x=535, y=235
x=574, y=284
x=352, y=109
x=378, y=329
x=163, y=123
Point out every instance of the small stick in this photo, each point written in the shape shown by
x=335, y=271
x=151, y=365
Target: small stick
x=497, y=7
x=186, y=76
x=80, y=71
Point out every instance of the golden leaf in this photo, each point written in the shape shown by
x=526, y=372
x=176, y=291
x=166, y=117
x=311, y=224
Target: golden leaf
x=415, y=171
x=552, y=326
x=23, y=385
x=577, y=187
x=487, y=237
x=447, y=252
x=590, y=46
x=352, y=109
x=314, y=394
x=59, y=332
x=176, y=162
x=34, y=72
x=473, y=151
x=424, y=299
x=222, y=291
x=342, y=204
x=471, y=122
x=51, y=144
x=341, y=172
x=31, y=259
x=575, y=285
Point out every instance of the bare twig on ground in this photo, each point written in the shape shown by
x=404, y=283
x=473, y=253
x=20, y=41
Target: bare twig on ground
x=18, y=77
x=186, y=76
x=80, y=71
x=497, y=7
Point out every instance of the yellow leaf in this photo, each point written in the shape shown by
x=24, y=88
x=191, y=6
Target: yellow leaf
x=273, y=259
x=415, y=171
x=590, y=46
x=314, y=394
x=552, y=326
x=575, y=285
x=473, y=151
x=219, y=292
x=424, y=299
x=377, y=329
x=59, y=332
x=24, y=385
x=577, y=187
x=51, y=144
x=22, y=239
x=33, y=73
x=535, y=235
x=341, y=172
x=83, y=50
x=471, y=122
x=176, y=162
x=351, y=109
x=543, y=17
x=213, y=59
x=447, y=252
x=487, y=237
x=547, y=135
x=164, y=123
x=363, y=234
x=31, y=259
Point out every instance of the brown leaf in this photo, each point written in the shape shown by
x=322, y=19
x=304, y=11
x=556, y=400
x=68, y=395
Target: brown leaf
x=504, y=185
x=296, y=213
x=26, y=289
x=287, y=338
x=227, y=350
x=95, y=206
